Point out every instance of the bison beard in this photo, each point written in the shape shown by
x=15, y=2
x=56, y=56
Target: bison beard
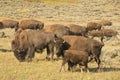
x=29, y=41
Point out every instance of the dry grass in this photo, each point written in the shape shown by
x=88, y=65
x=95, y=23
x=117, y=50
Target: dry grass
x=55, y=1
x=40, y=69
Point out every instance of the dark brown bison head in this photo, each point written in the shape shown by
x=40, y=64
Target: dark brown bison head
x=61, y=45
x=19, y=54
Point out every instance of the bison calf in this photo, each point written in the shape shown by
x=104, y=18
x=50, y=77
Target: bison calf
x=75, y=57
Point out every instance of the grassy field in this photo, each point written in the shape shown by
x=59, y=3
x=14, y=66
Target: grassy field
x=54, y=1
x=41, y=69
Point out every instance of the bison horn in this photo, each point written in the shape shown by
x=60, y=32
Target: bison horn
x=64, y=41
x=54, y=41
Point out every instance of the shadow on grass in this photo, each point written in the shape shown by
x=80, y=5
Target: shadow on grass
x=5, y=50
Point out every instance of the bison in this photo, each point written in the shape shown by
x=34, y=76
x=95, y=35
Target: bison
x=30, y=24
x=57, y=29
x=9, y=23
x=77, y=30
x=74, y=57
x=93, y=26
x=92, y=47
x=105, y=23
x=96, y=33
x=103, y=33
x=28, y=41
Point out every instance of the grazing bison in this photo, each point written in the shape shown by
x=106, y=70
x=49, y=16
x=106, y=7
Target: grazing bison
x=30, y=24
x=109, y=32
x=77, y=30
x=10, y=23
x=28, y=41
x=105, y=23
x=58, y=29
x=103, y=33
x=96, y=33
x=92, y=47
x=93, y=26
x=75, y=57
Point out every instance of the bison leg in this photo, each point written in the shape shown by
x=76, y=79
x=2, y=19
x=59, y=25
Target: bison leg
x=86, y=67
x=30, y=54
x=98, y=62
x=63, y=65
x=50, y=50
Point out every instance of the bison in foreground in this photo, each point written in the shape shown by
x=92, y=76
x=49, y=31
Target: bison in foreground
x=28, y=41
x=92, y=47
x=74, y=57
x=30, y=24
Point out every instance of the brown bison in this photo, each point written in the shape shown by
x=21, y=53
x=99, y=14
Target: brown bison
x=92, y=47
x=57, y=29
x=93, y=26
x=30, y=24
x=105, y=23
x=75, y=57
x=103, y=33
x=96, y=33
x=28, y=41
x=77, y=30
x=9, y=23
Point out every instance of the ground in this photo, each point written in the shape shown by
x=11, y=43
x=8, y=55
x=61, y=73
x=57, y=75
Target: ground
x=63, y=12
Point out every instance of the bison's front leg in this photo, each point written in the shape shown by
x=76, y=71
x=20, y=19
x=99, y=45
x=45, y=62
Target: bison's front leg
x=30, y=53
x=50, y=50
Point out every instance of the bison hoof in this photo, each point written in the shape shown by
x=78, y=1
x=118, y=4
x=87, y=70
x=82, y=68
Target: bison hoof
x=29, y=60
x=47, y=58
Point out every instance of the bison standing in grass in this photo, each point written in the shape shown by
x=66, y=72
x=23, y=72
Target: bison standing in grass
x=30, y=24
x=92, y=47
x=105, y=23
x=93, y=26
x=58, y=29
x=27, y=42
x=74, y=57
x=77, y=30
x=10, y=23
x=103, y=33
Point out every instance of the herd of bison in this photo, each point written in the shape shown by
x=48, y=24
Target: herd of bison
x=72, y=42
